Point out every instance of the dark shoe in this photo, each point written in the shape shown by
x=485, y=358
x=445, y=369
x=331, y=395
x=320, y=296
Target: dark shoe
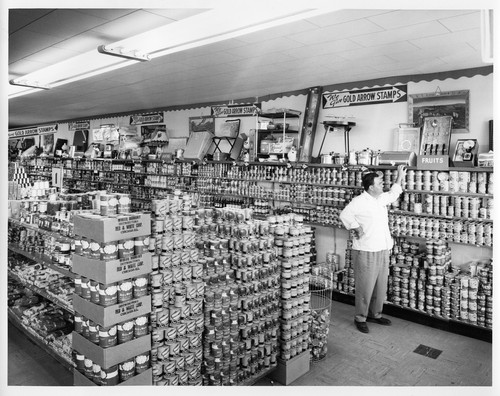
x=362, y=326
x=380, y=321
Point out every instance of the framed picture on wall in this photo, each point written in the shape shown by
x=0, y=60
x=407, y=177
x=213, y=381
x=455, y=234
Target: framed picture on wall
x=465, y=153
x=437, y=104
x=201, y=124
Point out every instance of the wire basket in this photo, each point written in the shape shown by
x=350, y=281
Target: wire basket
x=321, y=287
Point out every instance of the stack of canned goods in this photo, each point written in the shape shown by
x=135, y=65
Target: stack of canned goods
x=474, y=232
x=418, y=279
x=452, y=181
x=241, y=298
x=293, y=240
x=114, y=374
x=426, y=281
x=177, y=291
x=447, y=205
x=343, y=280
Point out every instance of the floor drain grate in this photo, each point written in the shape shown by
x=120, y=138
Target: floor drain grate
x=428, y=351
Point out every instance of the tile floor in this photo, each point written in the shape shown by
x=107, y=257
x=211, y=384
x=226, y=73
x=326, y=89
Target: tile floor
x=384, y=357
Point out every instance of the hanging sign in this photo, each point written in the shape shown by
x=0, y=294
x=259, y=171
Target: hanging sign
x=156, y=118
x=47, y=129
x=236, y=110
x=23, y=132
x=41, y=130
x=73, y=126
x=369, y=96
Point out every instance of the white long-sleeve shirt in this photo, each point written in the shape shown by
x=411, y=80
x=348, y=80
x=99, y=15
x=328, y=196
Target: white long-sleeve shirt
x=371, y=214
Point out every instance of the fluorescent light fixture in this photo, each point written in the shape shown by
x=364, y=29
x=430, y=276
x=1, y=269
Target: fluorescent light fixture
x=201, y=29
x=29, y=84
x=124, y=53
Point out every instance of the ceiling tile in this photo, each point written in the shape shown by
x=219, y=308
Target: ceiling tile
x=342, y=16
x=176, y=14
x=85, y=42
x=463, y=22
x=132, y=24
x=278, y=31
x=24, y=42
x=262, y=48
x=65, y=23
x=472, y=37
x=211, y=59
x=437, y=51
x=393, y=67
x=325, y=48
x=389, y=49
x=401, y=18
x=106, y=13
x=337, y=32
x=412, y=32
x=21, y=18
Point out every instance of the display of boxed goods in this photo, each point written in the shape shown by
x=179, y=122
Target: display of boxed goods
x=111, y=271
x=113, y=227
x=112, y=311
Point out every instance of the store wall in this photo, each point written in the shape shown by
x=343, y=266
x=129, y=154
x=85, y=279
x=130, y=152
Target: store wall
x=376, y=124
x=375, y=128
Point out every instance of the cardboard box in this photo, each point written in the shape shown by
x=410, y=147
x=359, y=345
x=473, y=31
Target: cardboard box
x=288, y=371
x=113, y=270
x=108, y=316
x=198, y=145
x=143, y=379
x=433, y=162
x=107, y=357
x=107, y=229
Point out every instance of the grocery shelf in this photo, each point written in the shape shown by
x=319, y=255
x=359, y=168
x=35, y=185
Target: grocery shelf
x=40, y=230
x=42, y=259
x=39, y=341
x=60, y=303
x=417, y=316
x=433, y=216
x=462, y=194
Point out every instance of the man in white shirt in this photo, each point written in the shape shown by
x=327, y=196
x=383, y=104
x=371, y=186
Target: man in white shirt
x=367, y=216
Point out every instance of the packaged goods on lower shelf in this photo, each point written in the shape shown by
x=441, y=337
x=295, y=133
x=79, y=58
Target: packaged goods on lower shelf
x=428, y=282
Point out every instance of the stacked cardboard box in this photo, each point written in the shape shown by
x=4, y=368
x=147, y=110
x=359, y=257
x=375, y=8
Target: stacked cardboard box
x=111, y=341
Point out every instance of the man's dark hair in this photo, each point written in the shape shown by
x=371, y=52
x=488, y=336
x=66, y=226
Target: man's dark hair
x=368, y=179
